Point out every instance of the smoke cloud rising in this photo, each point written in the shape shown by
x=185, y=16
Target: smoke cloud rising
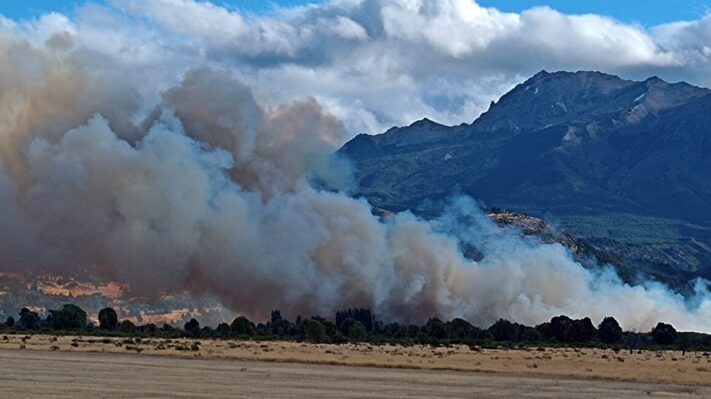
x=209, y=192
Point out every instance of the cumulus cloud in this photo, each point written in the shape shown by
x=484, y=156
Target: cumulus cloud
x=378, y=63
x=374, y=63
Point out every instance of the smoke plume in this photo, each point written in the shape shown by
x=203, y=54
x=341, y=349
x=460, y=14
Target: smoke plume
x=211, y=193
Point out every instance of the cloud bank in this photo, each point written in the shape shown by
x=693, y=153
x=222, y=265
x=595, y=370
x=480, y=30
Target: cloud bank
x=200, y=187
x=377, y=63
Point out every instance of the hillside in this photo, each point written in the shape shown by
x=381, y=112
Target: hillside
x=623, y=165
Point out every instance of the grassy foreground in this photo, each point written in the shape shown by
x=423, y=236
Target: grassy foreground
x=668, y=367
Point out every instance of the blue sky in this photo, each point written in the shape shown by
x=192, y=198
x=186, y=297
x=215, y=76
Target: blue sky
x=28, y=8
x=645, y=12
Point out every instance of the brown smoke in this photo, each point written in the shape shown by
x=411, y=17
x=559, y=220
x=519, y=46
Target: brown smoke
x=212, y=193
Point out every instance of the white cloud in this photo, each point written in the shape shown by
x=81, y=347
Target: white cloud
x=378, y=63
x=199, y=19
x=346, y=28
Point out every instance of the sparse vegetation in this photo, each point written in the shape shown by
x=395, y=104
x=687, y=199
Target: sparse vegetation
x=359, y=325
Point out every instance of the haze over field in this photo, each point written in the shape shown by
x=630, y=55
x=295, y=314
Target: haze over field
x=174, y=146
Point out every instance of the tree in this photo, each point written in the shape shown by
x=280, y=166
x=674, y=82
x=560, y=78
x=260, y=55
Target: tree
x=436, y=329
x=193, y=327
x=10, y=322
x=344, y=326
x=504, y=330
x=413, y=331
x=108, y=319
x=361, y=315
x=634, y=340
x=353, y=329
x=281, y=327
x=684, y=341
x=357, y=332
x=462, y=330
x=330, y=327
x=609, y=331
x=314, y=331
x=581, y=330
x=127, y=326
x=276, y=315
x=149, y=328
x=565, y=329
x=664, y=334
x=29, y=320
x=69, y=317
x=223, y=330
x=243, y=326
x=395, y=330
x=261, y=329
x=530, y=334
x=557, y=328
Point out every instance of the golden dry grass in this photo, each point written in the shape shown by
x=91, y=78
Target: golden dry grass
x=694, y=368
x=75, y=375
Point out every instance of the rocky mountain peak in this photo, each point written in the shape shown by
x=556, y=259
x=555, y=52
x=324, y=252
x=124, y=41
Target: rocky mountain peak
x=623, y=163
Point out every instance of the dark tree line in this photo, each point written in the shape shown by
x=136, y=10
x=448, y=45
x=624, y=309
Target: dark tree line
x=362, y=316
x=360, y=325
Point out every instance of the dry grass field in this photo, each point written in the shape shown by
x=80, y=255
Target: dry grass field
x=84, y=367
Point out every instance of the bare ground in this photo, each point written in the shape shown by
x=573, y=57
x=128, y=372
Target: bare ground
x=86, y=367
x=38, y=374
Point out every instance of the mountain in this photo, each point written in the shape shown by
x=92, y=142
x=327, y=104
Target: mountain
x=624, y=165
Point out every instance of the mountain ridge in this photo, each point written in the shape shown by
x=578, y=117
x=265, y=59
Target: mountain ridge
x=574, y=146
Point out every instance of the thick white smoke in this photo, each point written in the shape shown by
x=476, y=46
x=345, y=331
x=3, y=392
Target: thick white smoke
x=211, y=193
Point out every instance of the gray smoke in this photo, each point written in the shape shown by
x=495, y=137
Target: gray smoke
x=211, y=193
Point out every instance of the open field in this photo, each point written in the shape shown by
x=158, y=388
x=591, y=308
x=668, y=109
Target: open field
x=693, y=368
x=41, y=374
